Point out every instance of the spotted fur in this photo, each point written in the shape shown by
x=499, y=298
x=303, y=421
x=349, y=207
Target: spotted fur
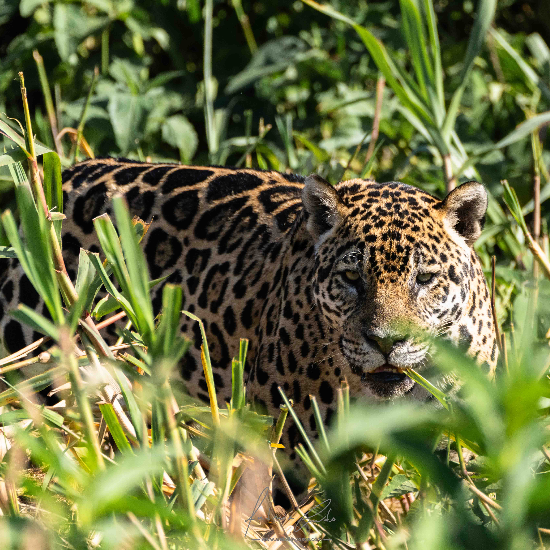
x=326, y=282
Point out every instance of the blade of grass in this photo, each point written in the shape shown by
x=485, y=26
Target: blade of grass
x=53, y=186
x=383, y=62
x=416, y=40
x=484, y=17
x=82, y=122
x=94, y=258
x=532, y=76
x=46, y=92
x=319, y=423
x=319, y=463
x=428, y=386
x=512, y=202
x=211, y=135
x=207, y=366
x=138, y=287
x=429, y=14
x=38, y=322
x=119, y=437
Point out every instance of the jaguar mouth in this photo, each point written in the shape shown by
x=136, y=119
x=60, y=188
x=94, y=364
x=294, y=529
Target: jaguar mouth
x=387, y=381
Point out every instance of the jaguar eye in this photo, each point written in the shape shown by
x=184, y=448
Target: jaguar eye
x=424, y=278
x=351, y=276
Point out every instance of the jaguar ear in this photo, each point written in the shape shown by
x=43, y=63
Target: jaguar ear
x=323, y=205
x=465, y=208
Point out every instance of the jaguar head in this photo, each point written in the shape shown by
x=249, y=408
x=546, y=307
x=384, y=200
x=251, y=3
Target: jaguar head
x=392, y=265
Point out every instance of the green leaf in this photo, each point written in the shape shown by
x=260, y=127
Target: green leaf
x=132, y=267
x=399, y=485
x=71, y=26
x=38, y=322
x=127, y=115
x=207, y=366
x=316, y=460
x=416, y=40
x=201, y=490
x=17, y=153
x=32, y=385
x=13, y=417
x=109, y=304
x=428, y=386
x=320, y=154
x=35, y=255
x=7, y=252
x=520, y=132
x=109, y=286
x=111, y=419
x=27, y=7
x=163, y=78
x=13, y=135
x=130, y=400
x=429, y=14
x=112, y=485
x=529, y=72
x=106, y=305
x=383, y=62
x=511, y=200
x=523, y=130
x=167, y=342
x=178, y=132
x=85, y=274
x=237, y=385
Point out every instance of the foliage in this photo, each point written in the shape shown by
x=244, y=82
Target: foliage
x=426, y=92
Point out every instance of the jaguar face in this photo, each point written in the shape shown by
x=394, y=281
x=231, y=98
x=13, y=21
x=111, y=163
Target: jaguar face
x=391, y=269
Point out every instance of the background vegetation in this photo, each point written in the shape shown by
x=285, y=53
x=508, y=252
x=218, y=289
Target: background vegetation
x=430, y=93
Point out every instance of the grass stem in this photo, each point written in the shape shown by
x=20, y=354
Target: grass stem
x=380, y=86
x=46, y=92
x=211, y=136
x=82, y=122
x=493, y=304
x=245, y=24
x=105, y=50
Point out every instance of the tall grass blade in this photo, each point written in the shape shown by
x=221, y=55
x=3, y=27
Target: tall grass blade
x=484, y=17
x=53, y=186
x=382, y=60
x=211, y=133
x=35, y=256
x=119, y=437
x=429, y=14
x=38, y=322
x=415, y=36
x=207, y=366
x=530, y=73
x=138, y=283
x=316, y=459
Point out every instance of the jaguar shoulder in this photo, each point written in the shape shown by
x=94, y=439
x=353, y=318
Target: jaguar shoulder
x=326, y=282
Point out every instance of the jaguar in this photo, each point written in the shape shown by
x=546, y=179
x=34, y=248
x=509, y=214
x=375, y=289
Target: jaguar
x=327, y=282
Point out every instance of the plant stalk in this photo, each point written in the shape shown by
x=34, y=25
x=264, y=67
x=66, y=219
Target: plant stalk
x=47, y=98
x=36, y=185
x=380, y=85
x=245, y=24
x=82, y=122
x=207, y=70
x=450, y=181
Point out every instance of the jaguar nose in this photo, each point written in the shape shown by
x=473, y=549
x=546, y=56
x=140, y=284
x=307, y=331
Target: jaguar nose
x=383, y=341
